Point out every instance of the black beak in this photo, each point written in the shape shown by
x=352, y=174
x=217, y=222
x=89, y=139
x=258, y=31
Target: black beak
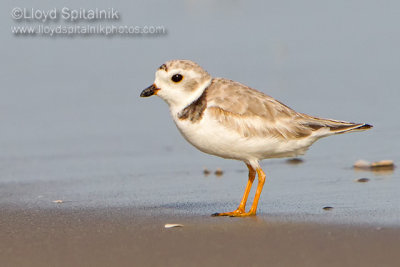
x=149, y=91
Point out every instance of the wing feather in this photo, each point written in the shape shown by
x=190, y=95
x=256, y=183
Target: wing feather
x=252, y=113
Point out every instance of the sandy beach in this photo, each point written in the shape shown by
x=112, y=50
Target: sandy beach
x=126, y=237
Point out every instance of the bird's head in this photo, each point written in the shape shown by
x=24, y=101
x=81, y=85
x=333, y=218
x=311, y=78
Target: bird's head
x=178, y=82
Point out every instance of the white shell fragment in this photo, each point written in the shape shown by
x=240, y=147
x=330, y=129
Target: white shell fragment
x=172, y=225
x=57, y=201
x=362, y=164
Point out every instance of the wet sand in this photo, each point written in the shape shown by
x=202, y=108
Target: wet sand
x=131, y=237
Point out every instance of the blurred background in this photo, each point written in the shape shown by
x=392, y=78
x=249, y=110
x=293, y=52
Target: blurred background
x=73, y=126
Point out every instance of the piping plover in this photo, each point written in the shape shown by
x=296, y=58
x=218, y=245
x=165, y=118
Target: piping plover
x=230, y=120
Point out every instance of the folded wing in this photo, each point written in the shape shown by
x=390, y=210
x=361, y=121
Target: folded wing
x=252, y=113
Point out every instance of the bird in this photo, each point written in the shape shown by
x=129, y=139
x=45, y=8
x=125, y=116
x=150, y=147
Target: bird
x=228, y=119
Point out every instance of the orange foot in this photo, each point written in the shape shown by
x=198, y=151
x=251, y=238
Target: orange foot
x=236, y=213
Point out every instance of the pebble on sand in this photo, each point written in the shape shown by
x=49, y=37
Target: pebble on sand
x=218, y=172
x=327, y=208
x=362, y=180
x=206, y=171
x=294, y=161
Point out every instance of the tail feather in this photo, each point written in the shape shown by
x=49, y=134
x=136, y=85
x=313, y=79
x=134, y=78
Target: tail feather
x=351, y=127
x=335, y=126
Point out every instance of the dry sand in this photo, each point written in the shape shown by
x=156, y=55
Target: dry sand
x=127, y=237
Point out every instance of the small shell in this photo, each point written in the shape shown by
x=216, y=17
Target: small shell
x=374, y=166
x=327, y=208
x=383, y=164
x=58, y=201
x=172, y=225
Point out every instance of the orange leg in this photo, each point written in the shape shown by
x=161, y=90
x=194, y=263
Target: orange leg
x=240, y=211
x=261, y=181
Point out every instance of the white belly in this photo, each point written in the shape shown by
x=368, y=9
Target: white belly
x=213, y=138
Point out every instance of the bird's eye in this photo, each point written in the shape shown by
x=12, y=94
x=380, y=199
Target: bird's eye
x=177, y=78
